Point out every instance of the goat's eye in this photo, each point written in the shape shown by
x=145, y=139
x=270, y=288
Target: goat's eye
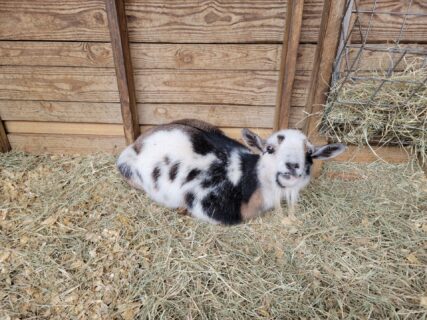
x=270, y=149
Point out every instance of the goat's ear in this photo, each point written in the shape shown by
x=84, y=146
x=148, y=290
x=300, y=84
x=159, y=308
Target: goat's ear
x=328, y=151
x=253, y=140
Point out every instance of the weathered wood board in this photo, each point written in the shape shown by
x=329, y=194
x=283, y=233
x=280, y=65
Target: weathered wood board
x=58, y=83
x=29, y=127
x=68, y=144
x=60, y=54
x=385, y=27
x=72, y=20
x=151, y=114
x=210, y=21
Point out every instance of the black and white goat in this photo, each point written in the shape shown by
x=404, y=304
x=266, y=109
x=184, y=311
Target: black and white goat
x=191, y=164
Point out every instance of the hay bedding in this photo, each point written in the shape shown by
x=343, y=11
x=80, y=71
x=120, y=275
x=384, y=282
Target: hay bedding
x=395, y=115
x=77, y=243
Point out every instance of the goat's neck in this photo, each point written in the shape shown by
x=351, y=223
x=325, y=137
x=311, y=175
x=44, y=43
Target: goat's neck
x=271, y=192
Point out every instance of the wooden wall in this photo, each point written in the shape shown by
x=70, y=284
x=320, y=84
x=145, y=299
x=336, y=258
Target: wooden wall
x=58, y=89
x=214, y=60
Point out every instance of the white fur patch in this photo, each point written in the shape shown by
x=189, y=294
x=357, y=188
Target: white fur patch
x=234, y=173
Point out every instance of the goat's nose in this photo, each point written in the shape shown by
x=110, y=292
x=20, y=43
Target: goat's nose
x=292, y=165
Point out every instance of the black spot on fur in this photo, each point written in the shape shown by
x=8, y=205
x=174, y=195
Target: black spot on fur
x=192, y=175
x=224, y=202
x=308, y=163
x=125, y=170
x=224, y=208
x=135, y=148
x=200, y=144
x=249, y=181
x=280, y=138
x=173, y=171
x=167, y=160
x=189, y=199
x=216, y=175
x=155, y=174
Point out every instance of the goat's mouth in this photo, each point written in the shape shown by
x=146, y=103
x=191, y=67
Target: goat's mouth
x=286, y=179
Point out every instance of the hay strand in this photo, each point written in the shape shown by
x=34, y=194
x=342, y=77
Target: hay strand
x=77, y=243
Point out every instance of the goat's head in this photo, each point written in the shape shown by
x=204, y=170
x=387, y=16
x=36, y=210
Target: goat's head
x=289, y=155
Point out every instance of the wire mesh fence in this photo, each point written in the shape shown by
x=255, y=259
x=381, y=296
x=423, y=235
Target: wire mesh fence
x=378, y=90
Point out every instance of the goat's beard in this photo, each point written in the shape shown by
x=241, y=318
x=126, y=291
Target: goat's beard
x=284, y=182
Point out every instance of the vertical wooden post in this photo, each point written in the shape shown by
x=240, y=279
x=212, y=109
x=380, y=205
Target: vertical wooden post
x=330, y=26
x=4, y=141
x=123, y=65
x=288, y=63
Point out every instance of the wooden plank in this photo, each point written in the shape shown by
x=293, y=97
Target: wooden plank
x=288, y=63
x=206, y=56
x=297, y=117
x=219, y=115
x=4, y=141
x=386, y=27
x=123, y=65
x=53, y=20
x=99, y=129
x=153, y=55
x=211, y=86
x=262, y=57
x=152, y=114
x=208, y=21
x=371, y=60
x=333, y=11
x=153, y=86
x=63, y=128
x=62, y=54
x=305, y=57
x=68, y=144
x=58, y=83
x=58, y=111
x=366, y=155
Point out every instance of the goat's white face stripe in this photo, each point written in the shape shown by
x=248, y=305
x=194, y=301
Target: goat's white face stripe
x=234, y=173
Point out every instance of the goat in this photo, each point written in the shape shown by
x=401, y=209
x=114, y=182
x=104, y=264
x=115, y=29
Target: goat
x=193, y=165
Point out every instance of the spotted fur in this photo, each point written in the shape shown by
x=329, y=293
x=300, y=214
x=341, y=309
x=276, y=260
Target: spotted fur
x=191, y=164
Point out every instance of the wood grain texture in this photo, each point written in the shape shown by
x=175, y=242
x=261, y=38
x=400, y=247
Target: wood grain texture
x=386, y=27
x=207, y=21
x=58, y=83
x=67, y=144
x=297, y=117
x=206, y=56
x=152, y=86
x=322, y=71
x=211, y=86
x=4, y=141
x=63, y=128
x=152, y=114
x=62, y=54
x=57, y=111
x=98, y=129
x=262, y=57
x=53, y=20
x=366, y=155
x=123, y=65
x=219, y=115
x=371, y=60
x=288, y=63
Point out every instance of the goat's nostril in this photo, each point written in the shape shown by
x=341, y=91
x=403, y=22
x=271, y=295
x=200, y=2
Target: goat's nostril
x=292, y=165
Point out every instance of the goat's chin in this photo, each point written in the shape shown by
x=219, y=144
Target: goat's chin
x=289, y=182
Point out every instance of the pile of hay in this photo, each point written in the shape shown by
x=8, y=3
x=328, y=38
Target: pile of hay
x=390, y=119
x=77, y=243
